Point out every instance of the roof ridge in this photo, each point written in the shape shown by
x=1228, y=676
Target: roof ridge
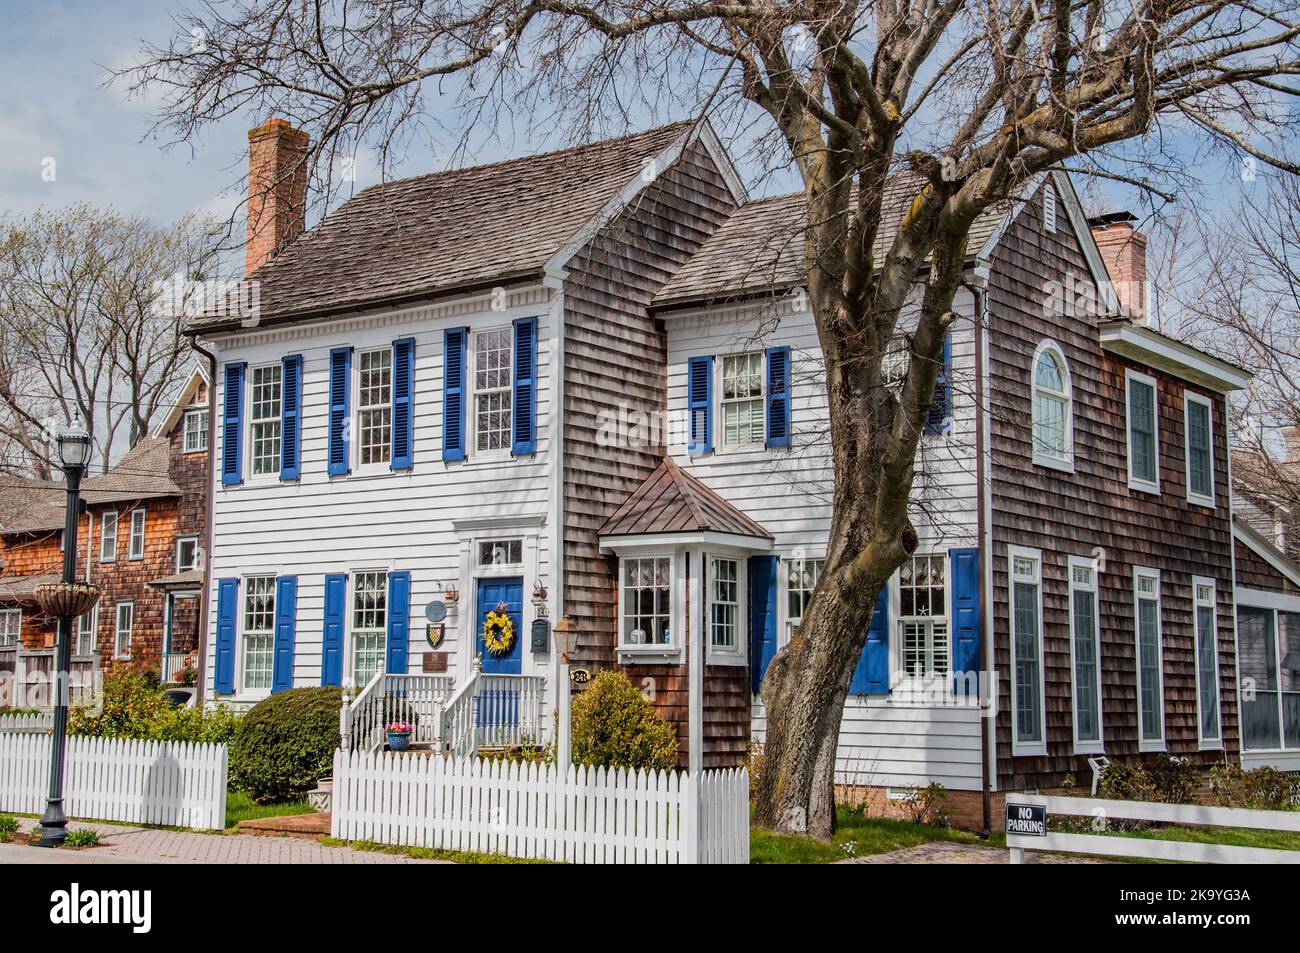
x=683, y=484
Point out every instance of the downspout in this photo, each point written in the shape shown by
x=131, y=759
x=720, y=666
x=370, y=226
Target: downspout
x=209, y=503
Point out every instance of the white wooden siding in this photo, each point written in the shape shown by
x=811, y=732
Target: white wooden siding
x=788, y=492
x=386, y=521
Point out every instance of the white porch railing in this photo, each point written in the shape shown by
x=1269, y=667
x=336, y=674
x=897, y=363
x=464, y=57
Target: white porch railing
x=388, y=698
x=172, y=663
x=1191, y=814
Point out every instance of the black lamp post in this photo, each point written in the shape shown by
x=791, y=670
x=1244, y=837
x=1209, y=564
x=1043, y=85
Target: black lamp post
x=66, y=600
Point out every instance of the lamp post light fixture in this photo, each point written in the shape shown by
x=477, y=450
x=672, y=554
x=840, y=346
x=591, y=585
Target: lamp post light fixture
x=66, y=600
x=565, y=635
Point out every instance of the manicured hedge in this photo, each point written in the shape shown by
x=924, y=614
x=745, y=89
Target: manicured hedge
x=285, y=744
x=614, y=726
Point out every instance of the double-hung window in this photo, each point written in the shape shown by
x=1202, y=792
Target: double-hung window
x=742, y=400
x=800, y=581
x=726, y=637
x=369, y=625
x=375, y=407
x=123, y=629
x=1085, y=655
x=493, y=379
x=136, y=547
x=196, y=430
x=259, y=632
x=87, y=629
x=1052, y=416
x=1150, y=677
x=1026, y=581
x=11, y=626
x=1198, y=417
x=1207, y=662
x=1143, y=433
x=264, y=415
x=646, y=599
x=108, y=536
x=187, y=553
x=923, y=616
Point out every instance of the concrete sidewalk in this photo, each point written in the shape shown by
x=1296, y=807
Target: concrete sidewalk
x=135, y=845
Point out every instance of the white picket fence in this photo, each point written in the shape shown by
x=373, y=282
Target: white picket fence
x=582, y=815
x=118, y=779
x=23, y=724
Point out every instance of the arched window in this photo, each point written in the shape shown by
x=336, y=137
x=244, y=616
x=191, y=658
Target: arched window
x=1053, y=411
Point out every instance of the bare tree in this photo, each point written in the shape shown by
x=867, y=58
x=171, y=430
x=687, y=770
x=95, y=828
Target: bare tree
x=973, y=100
x=90, y=327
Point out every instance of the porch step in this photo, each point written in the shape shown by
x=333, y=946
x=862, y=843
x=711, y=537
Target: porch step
x=295, y=825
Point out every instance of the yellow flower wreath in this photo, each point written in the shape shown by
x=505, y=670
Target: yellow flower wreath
x=498, y=631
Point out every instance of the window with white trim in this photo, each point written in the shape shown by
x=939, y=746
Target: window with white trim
x=1207, y=661
x=108, y=536
x=500, y=552
x=923, y=616
x=1027, y=648
x=725, y=636
x=1143, y=433
x=647, y=601
x=1198, y=419
x=135, y=549
x=375, y=407
x=1150, y=677
x=1053, y=421
x=196, y=430
x=742, y=400
x=187, y=553
x=11, y=627
x=369, y=625
x=264, y=417
x=801, y=577
x=124, y=625
x=87, y=630
x=493, y=380
x=259, y=632
x=1085, y=655
x=1268, y=660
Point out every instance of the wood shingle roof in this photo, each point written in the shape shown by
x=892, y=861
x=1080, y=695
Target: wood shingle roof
x=672, y=501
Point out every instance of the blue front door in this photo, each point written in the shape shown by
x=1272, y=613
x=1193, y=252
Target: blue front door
x=491, y=593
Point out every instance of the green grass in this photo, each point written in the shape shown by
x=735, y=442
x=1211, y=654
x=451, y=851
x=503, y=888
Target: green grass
x=82, y=837
x=1231, y=836
x=857, y=836
x=430, y=853
x=240, y=807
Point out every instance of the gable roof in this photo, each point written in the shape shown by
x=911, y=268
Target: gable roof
x=20, y=496
x=672, y=501
x=447, y=231
x=1265, y=550
x=198, y=376
x=760, y=248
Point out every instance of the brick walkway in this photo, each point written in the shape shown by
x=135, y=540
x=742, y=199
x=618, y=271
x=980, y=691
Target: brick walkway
x=948, y=852
x=164, y=846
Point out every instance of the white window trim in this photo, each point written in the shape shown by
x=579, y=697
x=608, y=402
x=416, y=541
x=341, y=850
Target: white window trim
x=130, y=540
x=1208, y=744
x=783, y=589
x=719, y=443
x=1018, y=747
x=187, y=538
x=274, y=475
x=650, y=654
x=1197, y=499
x=901, y=683
x=94, y=632
x=18, y=636
x=1142, y=572
x=471, y=410
x=103, y=535
x=193, y=411
x=354, y=445
x=1272, y=603
x=1063, y=463
x=739, y=655
x=243, y=692
x=117, y=629
x=1086, y=746
x=1138, y=483
x=349, y=647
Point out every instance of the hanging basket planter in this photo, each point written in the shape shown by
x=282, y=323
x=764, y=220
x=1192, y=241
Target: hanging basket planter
x=66, y=600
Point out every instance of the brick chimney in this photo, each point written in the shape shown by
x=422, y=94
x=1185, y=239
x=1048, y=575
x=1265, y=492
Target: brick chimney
x=1291, y=436
x=1124, y=251
x=277, y=190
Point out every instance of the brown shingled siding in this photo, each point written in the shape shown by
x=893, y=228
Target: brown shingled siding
x=1255, y=573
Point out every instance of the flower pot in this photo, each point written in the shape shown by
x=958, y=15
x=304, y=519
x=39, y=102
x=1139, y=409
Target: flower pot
x=399, y=740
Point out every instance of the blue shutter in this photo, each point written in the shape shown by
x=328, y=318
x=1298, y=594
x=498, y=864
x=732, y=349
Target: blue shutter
x=871, y=677
x=232, y=426
x=339, y=424
x=286, y=616
x=525, y=401
x=399, y=621
x=778, y=397
x=227, y=606
x=762, y=616
x=965, y=582
x=291, y=417
x=699, y=402
x=331, y=656
x=403, y=403
x=941, y=404
x=453, y=394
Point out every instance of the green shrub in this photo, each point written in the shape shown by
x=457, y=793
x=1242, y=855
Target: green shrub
x=614, y=726
x=285, y=744
x=1263, y=788
x=1165, y=779
x=928, y=805
x=8, y=827
x=82, y=837
x=133, y=707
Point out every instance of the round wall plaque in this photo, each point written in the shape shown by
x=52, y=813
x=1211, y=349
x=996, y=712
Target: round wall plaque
x=435, y=611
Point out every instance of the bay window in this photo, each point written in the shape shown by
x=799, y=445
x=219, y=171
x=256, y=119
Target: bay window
x=726, y=633
x=645, y=599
